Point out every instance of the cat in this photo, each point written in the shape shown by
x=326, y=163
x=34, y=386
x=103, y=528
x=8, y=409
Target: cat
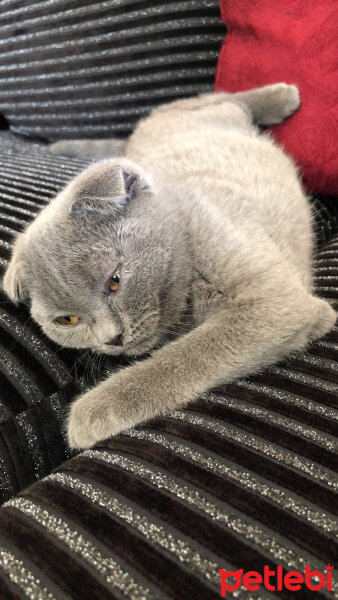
x=195, y=246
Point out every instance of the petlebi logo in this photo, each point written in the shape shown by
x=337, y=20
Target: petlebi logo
x=277, y=579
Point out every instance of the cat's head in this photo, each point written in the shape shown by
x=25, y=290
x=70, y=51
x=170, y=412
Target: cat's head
x=103, y=267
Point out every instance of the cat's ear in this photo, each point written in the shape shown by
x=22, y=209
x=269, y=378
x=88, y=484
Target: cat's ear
x=106, y=187
x=14, y=278
x=131, y=181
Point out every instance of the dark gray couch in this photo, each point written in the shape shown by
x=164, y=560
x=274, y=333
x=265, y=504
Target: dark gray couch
x=247, y=476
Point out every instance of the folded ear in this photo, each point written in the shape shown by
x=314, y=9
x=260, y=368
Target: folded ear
x=106, y=187
x=13, y=281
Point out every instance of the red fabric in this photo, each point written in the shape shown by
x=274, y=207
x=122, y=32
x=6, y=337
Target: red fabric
x=294, y=41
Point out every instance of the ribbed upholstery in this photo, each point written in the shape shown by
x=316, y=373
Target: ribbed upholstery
x=32, y=375
x=86, y=68
x=247, y=476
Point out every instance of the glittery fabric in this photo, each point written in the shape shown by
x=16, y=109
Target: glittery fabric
x=230, y=470
x=231, y=432
x=227, y=516
x=36, y=379
x=80, y=544
x=244, y=477
x=151, y=529
x=23, y=578
x=94, y=68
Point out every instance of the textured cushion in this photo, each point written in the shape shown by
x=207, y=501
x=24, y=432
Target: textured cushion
x=89, y=68
x=33, y=373
x=295, y=42
x=244, y=477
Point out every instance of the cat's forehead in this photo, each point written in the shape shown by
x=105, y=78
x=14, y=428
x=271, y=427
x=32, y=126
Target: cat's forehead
x=61, y=231
x=69, y=282
x=74, y=257
x=65, y=265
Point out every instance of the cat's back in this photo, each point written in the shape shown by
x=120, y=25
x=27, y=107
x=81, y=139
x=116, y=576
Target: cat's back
x=219, y=140
x=229, y=163
x=217, y=152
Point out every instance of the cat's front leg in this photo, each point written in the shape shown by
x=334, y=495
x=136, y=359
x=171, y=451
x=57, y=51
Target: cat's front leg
x=234, y=343
x=173, y=376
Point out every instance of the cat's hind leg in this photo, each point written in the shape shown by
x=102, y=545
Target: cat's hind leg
x=96, y=149
x=265, y=105
x=272, y=103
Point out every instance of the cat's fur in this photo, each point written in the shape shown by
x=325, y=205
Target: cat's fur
x=216, y=242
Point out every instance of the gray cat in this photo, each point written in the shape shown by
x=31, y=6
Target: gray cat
x=198, y=244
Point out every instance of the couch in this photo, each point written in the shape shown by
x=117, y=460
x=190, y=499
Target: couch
x=243, y=478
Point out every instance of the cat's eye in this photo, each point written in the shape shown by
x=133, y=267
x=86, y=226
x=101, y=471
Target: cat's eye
x=114, y=280
x=68, y=320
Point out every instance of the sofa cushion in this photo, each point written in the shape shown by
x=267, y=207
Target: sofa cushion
x=243, y=478
x=89, y=69
x=294, y=42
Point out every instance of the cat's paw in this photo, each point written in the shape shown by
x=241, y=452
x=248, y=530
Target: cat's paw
x=278, y=102
x=92, y=419
x=325, y=319
x=317, y=319
x=288, y=98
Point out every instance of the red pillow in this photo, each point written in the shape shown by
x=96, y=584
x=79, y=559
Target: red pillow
x=294, y=41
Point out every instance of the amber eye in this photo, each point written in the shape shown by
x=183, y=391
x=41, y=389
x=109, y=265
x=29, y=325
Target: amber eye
x=69, y=320
x=114, y=281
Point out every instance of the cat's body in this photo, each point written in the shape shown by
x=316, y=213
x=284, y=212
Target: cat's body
x=215, y=243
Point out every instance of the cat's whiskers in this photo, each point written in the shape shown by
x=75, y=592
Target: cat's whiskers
x=76, y=362
x=117, y=306
x=88, y=373
x=142, y=322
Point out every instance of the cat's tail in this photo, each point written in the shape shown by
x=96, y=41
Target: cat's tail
x=97, y=149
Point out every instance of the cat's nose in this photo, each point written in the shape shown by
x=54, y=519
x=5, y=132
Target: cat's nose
x=116, y=341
